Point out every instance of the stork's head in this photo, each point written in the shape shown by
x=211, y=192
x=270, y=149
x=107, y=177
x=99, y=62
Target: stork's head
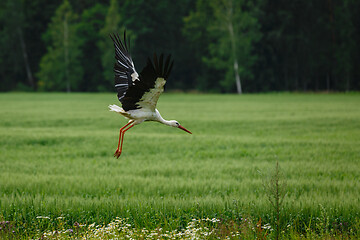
x=175, y=123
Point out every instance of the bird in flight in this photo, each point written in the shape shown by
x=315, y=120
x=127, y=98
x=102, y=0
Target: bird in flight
x=139, y=93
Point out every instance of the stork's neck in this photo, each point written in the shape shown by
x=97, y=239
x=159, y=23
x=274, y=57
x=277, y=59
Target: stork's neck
x=160, y=119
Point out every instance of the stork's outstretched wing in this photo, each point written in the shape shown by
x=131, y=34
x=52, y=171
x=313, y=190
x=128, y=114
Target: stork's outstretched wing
x=146, y=91
x=125, y=73
x=134, y=91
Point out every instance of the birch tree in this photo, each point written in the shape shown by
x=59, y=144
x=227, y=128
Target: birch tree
x=237, y=29
x=112, y=25
x=60, y=67
x=231, y=29
x=225, y=15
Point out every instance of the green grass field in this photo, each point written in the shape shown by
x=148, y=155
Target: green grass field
x=56, y=160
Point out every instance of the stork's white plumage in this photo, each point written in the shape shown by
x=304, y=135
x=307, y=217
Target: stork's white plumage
x=139, y=93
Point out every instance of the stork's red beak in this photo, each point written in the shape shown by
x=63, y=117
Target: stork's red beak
x=181, y=127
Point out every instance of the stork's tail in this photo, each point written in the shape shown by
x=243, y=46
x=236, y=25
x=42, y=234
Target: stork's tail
x=116, y=108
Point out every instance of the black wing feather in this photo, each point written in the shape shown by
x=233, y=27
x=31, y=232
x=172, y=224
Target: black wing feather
x=153, y=70
x=130, y=91
x=123, y=67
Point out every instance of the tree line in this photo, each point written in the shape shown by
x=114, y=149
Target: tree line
x=218, y=45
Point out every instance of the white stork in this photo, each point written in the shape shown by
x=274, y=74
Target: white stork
x=139, y=94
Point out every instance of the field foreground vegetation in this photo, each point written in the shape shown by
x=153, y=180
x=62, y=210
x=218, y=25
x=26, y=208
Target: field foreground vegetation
x=58, y=174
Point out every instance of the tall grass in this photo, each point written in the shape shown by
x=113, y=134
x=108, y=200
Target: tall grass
x=56, y=158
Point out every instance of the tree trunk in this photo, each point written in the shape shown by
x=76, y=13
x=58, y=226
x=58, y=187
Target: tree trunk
x=296, y=74
x=332, y=48
x=66, y=54
x=26, y=61
x=237, y=77
x=236, y=65
x=328, y=82
x=286, y=78
x=347, y=87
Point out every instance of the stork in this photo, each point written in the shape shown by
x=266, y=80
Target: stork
x=139, y=93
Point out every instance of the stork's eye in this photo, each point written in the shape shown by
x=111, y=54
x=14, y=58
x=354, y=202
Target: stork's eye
x=177, y=124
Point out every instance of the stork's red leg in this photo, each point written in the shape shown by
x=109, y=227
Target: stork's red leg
x=121, y=139
x=120, y=134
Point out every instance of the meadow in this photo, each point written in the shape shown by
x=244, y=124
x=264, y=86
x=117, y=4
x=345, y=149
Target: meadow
x=56, y=161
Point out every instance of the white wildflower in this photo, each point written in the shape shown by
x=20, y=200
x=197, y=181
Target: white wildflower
x=267, y=226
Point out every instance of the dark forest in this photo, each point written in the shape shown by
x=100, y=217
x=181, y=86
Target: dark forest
x=223, y=46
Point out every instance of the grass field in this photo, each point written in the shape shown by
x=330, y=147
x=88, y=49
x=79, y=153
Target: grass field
x=56, y=160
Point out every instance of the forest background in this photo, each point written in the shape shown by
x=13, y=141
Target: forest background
x=222, y=46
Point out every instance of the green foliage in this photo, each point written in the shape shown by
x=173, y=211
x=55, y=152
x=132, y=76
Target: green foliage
x=232, y=29
x=60, y=67
x=56, y=160
x=92, y=21
x=276, y=45
x=157, y=26
x=11, y=60
x=112, y=25
x=347, y=44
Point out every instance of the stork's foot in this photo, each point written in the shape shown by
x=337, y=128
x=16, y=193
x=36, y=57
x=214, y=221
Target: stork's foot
x=117, y=153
